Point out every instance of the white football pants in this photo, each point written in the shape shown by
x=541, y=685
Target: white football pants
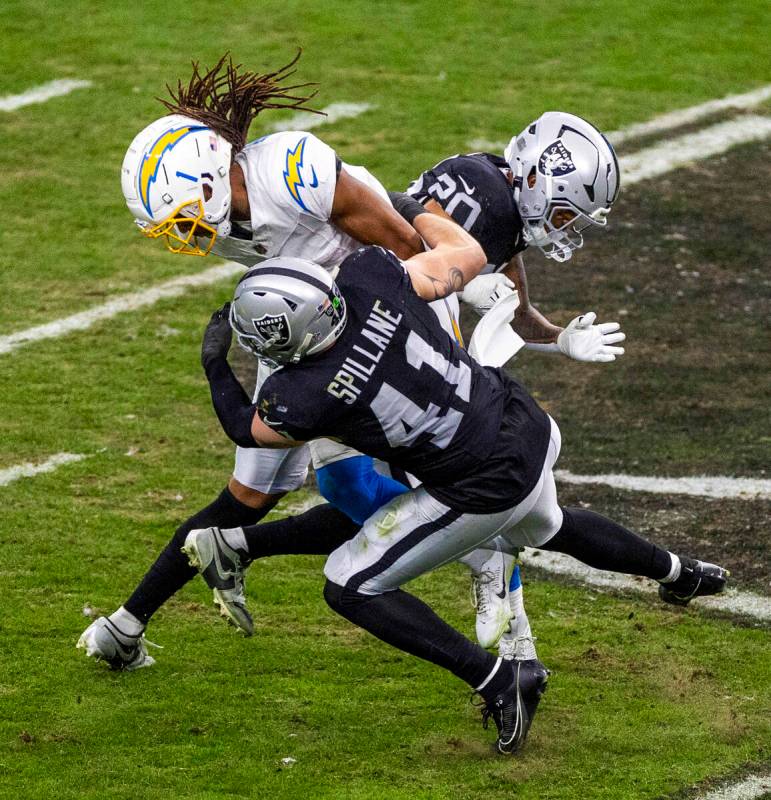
x=415, y=533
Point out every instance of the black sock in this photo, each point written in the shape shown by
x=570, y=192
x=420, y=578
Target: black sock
x=171, y=570
x=401, y=620
x=604, y=544
x=320, y=530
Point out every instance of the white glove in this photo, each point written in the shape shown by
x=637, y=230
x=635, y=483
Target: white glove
x=585, y=341
x=485, y=290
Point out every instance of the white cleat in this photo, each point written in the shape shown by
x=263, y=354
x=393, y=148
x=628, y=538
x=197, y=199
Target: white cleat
x=517, y=648
x=222, y=567
x=490, y=593
x=104, y=641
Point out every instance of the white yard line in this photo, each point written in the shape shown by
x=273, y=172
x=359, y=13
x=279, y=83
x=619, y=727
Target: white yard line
x=304, y=121
x=683, y=150
x=487, y=146
x=39, y=94
x=680, y=151
x=28, y=470
x=684, y=116
x=732, y=601
x=662, y=123
x=119, y=305
x=752, y=788
x=700, y=486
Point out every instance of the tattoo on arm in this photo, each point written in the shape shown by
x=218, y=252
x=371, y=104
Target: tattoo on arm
x=451, y=284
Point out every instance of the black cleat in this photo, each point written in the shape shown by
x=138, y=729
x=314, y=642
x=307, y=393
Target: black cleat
x=513, y=709
x=697, y=579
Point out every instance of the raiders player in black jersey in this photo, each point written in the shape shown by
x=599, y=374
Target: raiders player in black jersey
x=364, y=362
x=483, y=193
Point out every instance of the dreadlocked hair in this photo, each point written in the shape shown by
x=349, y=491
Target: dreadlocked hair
x=227, y=99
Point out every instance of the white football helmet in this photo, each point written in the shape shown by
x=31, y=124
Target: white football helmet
x=176, y=181
x=562, y=164
x=287, y=309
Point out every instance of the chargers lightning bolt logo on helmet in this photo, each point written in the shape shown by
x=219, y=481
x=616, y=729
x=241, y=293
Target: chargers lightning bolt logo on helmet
x=292, y=176
x=556, y=160
x=151, y=163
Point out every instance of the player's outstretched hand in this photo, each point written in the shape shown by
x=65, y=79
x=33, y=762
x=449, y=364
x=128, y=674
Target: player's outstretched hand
x=585, y=341
x=217, y=336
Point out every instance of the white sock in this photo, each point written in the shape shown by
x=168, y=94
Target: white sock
x=235, y=538
x=674, y=572
x=127, y=622
x=520, y=626
x=490, y=676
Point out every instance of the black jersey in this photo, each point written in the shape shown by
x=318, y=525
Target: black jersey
x=396, y=386
x=474, y=191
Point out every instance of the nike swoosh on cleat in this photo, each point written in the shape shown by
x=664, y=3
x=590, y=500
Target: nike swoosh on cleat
x=125, y=653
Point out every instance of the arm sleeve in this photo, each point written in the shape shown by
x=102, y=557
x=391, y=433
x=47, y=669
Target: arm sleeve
x=353, y=486
x=231, y=403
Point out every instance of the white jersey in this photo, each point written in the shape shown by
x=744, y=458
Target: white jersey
x=290, y=180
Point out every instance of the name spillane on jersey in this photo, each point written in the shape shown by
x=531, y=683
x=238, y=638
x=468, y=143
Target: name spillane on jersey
x=474, y=190
x=291, y=179
x=396, y=386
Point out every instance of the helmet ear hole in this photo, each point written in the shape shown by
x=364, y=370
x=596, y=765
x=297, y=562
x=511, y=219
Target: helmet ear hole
x=207, y=192
x=531, y=177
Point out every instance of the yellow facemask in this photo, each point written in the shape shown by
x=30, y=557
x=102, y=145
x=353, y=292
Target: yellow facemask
x=183, y=231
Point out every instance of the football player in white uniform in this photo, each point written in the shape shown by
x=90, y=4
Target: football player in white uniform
x=285, y=194
x=190, y=179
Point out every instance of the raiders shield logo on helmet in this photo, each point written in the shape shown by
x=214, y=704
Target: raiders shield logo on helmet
x=556, y=160
x=273, y=329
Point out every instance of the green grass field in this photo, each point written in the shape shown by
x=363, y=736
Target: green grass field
x=644, y=701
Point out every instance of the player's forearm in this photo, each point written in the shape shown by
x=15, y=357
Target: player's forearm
x=455, y=258
x=365, y=216
x=232, y=405
x=534, y=328
x=529, y=322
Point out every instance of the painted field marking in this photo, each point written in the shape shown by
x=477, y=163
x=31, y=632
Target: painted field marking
x=119, y=305
x=700, y=486
x=684, y=116
x=683, y=150
x=752, y=788
x=304, y=120
x=39, y=94
x=732, y=601
x=28, y=470
x=664, y=122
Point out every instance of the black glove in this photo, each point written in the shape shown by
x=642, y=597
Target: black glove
x=217, y=337
x=405, y=205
